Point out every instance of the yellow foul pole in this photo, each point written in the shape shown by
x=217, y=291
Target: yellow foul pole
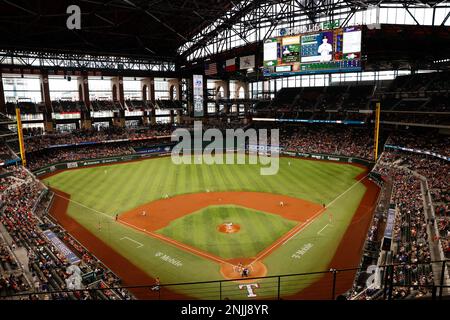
x=20, y=136
x=377, y=130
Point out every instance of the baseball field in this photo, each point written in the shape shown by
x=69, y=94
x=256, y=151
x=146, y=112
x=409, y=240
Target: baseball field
x=197, y=223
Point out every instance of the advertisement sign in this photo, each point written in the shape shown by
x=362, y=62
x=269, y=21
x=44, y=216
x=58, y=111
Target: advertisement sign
x=157, y=149
x=352, y=122
x=291, y=49
x=142, y=153
x=264, y=149
x=198, y=95
x=61, y=247
x=271, y=53
x=424, y=152
x=283, y=68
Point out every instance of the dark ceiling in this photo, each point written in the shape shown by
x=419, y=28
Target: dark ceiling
x=155, y=28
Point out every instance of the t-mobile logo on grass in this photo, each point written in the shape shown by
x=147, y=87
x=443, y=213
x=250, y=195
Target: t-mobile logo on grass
x=228, y=150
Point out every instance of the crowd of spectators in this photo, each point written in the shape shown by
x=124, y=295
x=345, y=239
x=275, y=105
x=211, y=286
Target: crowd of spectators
x=345, y=141
x=424, y=140
x=42, y=155
x=60, y=106
x=432, y=81
x=25, y=107
x=30, y=132
x=422, y=118
x=106, y=105
x=138, y=105
x=221, y=125
x=424, y=92
x=107, y=134
x=4, y=155
x=11, y=278
x=52, y=156
x=48, y=270
x=419, y=227
x=411, y=242
x=436, y=171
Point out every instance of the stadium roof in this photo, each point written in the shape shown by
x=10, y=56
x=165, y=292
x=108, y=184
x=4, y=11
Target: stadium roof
x=152, y=28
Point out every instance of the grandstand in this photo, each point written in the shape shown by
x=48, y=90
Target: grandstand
x=349, y=100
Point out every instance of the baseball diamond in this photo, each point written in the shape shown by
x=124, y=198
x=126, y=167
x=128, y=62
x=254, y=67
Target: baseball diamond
x=183, y=226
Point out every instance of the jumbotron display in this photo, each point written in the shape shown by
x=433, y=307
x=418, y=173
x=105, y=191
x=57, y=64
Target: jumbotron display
x=327, y=51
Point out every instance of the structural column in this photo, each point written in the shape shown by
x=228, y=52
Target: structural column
x=180, y=89
x=226, y=93
x=174, y=85
x=83, y=95
x=245, y=87
x=2, y=96
x=118, y=96
x=190, y=97
x=83, y=90
x=45, y=91
x=227, y=97
x=148, y=94
x=205, y=99
x=145, y=87
x=45, y=94
x=117, y=89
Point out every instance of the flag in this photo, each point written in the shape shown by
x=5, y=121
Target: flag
x=210, y=69
x=247, y=62
x=230, y=65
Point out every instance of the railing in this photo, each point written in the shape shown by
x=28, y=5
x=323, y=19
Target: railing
x=321, y=285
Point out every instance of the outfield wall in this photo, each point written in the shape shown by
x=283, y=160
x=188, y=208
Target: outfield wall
x=93, y=162
x=163, y=150
x=329, y=157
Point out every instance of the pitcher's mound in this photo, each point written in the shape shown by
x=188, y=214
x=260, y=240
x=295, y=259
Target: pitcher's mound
x=233, y=269
x=229, y=227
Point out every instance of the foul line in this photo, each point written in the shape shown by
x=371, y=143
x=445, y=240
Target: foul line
x=296, y=230
x=177, y=244
x=154, y=235
x=333, y=201
x=323, y=228
x=82, y=205
x=286, y=237
x=137, y=242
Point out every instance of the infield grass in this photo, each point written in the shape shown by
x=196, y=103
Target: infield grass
x=257, y=231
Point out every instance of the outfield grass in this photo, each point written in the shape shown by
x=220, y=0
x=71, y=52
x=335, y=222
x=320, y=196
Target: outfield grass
x=199, y=229
x=118, y=188
x=99, y=193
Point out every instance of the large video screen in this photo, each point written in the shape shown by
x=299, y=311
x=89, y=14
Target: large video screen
x=327, y=51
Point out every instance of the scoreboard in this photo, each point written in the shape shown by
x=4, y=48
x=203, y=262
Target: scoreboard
x=328, y=51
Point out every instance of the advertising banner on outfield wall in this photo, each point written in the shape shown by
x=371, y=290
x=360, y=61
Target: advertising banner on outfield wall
x=163, y=150
x=155, y=149
x=328, y=157
x=263, y=149
x=93, y=162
